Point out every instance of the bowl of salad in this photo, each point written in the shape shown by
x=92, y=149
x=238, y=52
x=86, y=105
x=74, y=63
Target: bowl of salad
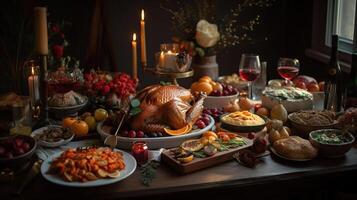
x=332, y=142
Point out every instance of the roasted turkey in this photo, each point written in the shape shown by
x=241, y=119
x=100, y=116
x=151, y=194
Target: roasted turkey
x=166, y=106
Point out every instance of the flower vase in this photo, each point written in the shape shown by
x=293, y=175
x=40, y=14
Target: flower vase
x=205, y=66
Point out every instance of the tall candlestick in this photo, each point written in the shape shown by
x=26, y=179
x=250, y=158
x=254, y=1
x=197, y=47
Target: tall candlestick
x=41, y=38
x=143, y=39
x=33, y=84
x=135, y=60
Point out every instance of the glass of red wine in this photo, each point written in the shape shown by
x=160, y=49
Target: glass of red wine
x=249, y=70
x=288, y=68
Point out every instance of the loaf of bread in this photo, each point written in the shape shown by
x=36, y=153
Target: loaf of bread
x=295, y=147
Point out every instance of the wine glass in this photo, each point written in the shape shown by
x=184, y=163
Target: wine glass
x=249, y=70
x=288, y=68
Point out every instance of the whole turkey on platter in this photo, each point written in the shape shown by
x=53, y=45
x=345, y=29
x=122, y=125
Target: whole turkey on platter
x=166, y=106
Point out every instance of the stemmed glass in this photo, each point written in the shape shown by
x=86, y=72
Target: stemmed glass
x=288, y=68
x=249, y=70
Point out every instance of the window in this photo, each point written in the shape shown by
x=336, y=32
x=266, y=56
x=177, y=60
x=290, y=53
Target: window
x=333, y=17
x=341, y=21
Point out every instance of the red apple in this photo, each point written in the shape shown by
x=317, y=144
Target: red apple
x=305, y=79
x=301, y=85
x=322, y=86
x=313, y=87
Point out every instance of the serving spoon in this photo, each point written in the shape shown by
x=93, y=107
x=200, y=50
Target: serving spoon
x=112, y=140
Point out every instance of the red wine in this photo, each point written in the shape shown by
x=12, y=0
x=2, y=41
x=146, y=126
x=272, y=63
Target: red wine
x=249, y=74
x=288, y=72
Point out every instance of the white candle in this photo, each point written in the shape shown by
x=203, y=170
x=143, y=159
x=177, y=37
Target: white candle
x=135, y=60
x=167, y=61
x=33, y=84
x=143, y=38
x=41, y=38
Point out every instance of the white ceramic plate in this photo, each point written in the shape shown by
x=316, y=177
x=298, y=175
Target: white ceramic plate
x=158, y=142
x=286, y=158
x=50, y=144
x=130, y=166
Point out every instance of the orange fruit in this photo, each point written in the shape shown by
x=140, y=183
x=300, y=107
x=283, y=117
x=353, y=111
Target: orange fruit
x=205, y=79
x=202, y=87
x=262, y=111
x=68, y=121
x=217, y=86
x=80, y=128
x=180, y=131
x=186, y=159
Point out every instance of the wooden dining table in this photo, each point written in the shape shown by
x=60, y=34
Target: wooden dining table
x=272, y=177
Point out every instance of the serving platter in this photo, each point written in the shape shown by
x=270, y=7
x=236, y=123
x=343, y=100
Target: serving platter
x=201, y=163
x=50, y=144
x=130, y=166
x=159, y=142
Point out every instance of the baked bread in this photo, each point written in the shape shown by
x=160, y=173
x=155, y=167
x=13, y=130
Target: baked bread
x=295, y=147
x=313, y=117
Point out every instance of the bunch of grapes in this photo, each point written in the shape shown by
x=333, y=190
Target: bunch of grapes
x=102, y=84
x=214, y=112
x=227, y=90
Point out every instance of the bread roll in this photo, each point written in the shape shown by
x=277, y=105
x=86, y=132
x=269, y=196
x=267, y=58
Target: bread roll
x=295, y=147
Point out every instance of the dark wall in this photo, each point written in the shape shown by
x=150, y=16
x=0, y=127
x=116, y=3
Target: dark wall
x=285, y=31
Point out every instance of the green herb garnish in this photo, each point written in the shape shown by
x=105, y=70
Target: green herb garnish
x=134, y=107
x=199, y=154
x=163, y=83
x=148, y=172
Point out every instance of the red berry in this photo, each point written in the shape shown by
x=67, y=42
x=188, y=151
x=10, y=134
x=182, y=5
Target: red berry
x=251, y=135
x=105, y=89
x=206, y=120
x=125, y=133
x=132, y=134
x=200, y=124
x=140, y=134
x=26, y=147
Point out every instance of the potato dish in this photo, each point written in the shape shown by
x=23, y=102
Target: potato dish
x=243, y=118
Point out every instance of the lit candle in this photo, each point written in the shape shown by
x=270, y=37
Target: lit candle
x=167, y=61
x=142, y=38
x=135, y=61
x=33, y=84
x=41, y=38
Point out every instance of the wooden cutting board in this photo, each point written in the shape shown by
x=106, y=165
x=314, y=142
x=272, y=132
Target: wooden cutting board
x=200, y=163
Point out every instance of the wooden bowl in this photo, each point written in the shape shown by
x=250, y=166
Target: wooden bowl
x=331, y=150
x=304, y=130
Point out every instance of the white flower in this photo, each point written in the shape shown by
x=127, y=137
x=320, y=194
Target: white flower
x=207, y=34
